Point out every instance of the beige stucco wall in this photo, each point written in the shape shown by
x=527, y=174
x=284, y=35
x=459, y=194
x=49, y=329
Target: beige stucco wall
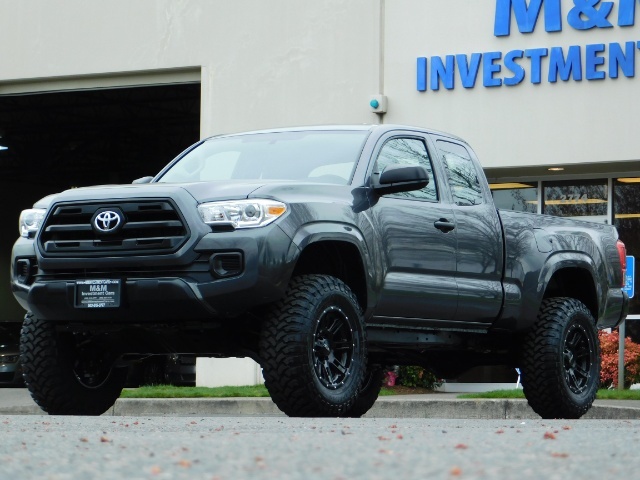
x=263, y=63
x=266, y=63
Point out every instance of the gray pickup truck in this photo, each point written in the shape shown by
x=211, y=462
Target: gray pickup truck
x=323, y=253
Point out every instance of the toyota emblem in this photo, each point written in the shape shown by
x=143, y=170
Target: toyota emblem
x=107, y=221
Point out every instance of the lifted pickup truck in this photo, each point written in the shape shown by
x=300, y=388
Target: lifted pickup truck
x=323, y=253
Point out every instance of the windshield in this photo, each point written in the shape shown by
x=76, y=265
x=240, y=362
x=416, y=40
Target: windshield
x=313, y=156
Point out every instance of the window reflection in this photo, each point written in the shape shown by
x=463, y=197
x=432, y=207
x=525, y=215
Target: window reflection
x=463, y=177
x=519, y=197
x=585, y=200
x=408, y=151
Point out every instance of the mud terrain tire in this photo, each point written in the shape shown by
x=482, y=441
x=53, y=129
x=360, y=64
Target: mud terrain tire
x=561, y=360
x=313, y=348
x=58, y=380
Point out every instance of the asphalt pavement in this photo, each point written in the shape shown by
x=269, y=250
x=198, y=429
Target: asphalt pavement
x=276, y=447
x=17, y=401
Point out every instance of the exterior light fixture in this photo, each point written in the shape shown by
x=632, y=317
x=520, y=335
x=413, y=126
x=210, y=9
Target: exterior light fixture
x=556, y=169
x=509, y=186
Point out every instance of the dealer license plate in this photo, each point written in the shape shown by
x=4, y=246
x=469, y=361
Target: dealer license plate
x=97, y=293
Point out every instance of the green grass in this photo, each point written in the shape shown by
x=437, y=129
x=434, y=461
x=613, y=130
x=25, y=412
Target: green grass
x=385, y=392
x=515, y=393
x=618, y=394
x=603, y=394
x=168, y=391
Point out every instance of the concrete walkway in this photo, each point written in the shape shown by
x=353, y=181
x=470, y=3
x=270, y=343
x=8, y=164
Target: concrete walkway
x=16, y=401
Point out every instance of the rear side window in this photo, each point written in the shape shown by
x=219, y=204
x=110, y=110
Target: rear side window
x=408, y=151
x=461, y=173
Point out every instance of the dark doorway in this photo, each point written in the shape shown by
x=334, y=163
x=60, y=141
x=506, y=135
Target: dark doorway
x=60, y=140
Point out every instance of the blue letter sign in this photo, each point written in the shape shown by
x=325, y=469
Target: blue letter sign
x=629, y=276
x=526, y=16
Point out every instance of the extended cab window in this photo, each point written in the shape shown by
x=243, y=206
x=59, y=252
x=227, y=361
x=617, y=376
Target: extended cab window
x=462, y=173
x=408, y=151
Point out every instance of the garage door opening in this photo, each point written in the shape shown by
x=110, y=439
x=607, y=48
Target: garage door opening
x=60, y=140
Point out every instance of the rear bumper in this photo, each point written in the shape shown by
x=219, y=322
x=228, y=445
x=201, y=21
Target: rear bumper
x=615, y=310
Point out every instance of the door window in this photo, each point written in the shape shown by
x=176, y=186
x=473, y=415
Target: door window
x=408, y=151
x=462, y=173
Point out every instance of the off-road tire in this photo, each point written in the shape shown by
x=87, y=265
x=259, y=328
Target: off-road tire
x=561, y=360
x=369, y=392
x=313, y=348
x=49, y=365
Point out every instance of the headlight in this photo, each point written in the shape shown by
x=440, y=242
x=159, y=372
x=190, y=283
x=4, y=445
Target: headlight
x=9, y=358
x=30, y=221
x=241, y=213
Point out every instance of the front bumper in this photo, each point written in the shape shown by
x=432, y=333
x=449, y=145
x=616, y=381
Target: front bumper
x=155, y=291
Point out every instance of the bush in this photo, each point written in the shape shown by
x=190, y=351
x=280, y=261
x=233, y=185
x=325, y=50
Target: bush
x=609, y=373
x=417, y=377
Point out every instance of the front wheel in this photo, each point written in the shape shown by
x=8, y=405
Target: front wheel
x=313, y=348
x=369, y=392
x=66, y=374
x=561, y=360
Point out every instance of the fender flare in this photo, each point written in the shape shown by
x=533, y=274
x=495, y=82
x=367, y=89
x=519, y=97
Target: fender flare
x=563, y=260
x=315, y=232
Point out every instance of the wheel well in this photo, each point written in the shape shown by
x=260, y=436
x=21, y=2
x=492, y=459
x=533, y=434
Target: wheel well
x=339, y=259
x=575, y=283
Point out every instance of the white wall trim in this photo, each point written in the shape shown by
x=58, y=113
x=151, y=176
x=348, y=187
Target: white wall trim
x=104, y=80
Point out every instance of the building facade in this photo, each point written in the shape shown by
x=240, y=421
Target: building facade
x=546, y=91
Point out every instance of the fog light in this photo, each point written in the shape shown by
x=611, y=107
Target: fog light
x=228, y=264
x=23, y=270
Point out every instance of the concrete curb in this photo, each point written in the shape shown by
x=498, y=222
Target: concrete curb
x=385, y=407
x=194, y=406
x=513, y=409
x=21, y=410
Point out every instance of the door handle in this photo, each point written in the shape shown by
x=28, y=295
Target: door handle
x=444, y=225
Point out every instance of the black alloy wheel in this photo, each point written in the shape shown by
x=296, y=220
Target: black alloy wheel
x=333, y=347
x=578, y=358
x=313, y=348
x=561, y=360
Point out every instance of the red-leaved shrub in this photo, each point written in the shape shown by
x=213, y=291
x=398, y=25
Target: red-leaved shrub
x=609, y=346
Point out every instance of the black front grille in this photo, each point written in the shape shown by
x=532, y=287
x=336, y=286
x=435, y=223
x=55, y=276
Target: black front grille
x=148, y=226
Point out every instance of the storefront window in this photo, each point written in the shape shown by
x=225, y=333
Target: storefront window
x=585, y=200
x=626, y=214
x=521, y=197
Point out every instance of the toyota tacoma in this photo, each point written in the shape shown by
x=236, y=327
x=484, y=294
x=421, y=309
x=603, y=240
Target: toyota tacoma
x=323, y=253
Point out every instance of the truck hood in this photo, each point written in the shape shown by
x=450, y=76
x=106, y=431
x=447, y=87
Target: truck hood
x=200, y=191
x=203, y=191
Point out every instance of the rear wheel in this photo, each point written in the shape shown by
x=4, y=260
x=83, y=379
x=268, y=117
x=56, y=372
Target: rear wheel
x=313, y=348
x=67, y=374
x=561, y=360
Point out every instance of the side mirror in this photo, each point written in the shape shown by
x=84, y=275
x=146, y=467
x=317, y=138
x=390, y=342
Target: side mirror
x=143, y=180
x=401, y=178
